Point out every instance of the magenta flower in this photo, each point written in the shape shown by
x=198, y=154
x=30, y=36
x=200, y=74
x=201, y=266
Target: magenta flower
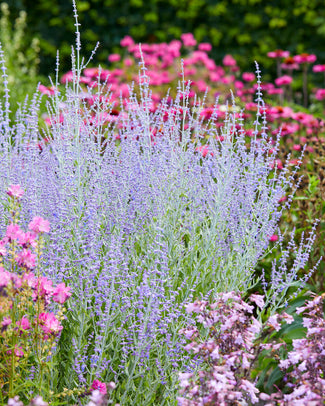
x=61, y=293
x=5, y=277
x=273, y=238
x=248, y=76
x=45, y=286
x=49, y=323
x=6, y=321
x=278, y=53
x=14, y=232
x=319, y=68
x=305, y=58
x=320, y=94
x=26, y=258
x=228, y=60
x=283, y=80
x=15, y=191
x=127, y=41
x=23, y=324
x=188, y=40
x=114, y=57
x=101, y=386
x=205, y=46
x=39, y=225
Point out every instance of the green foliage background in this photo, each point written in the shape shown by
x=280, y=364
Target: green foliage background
x=247, y=29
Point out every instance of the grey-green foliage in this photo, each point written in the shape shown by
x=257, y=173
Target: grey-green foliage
x=21, y=55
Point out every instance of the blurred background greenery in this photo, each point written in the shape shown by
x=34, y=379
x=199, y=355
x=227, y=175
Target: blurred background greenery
x=247, y=29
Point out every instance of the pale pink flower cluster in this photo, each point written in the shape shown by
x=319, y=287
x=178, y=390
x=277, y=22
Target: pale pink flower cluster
x=233, y=346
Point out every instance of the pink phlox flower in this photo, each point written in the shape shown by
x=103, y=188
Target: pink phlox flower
x=15, y=191
x=26, y=258
x=23, y=324
x=14, y=232
x=61, y=293
x=39, y=225
x=101, y=386
x=273, y=238
x=49, y=323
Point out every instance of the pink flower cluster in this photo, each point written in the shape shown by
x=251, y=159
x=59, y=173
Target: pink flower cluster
x=233, y=346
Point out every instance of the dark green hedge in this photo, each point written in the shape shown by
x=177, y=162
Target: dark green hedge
x=247, y=29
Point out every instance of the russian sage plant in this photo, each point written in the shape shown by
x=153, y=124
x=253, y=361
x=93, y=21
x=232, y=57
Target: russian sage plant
x=141, y=223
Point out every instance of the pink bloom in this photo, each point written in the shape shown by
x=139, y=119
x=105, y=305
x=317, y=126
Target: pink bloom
x=258, y=299
x=204, y=46
x=49, y=323
x=27, y=238
x=26, y=258
x=61, y=293
x=278, y=53
x=6, y=321
x=3, y=244
x=13, y=232
x=18, y=352
x=273, y=238
x=283, y=80
x=39, y=225
x=46, y=90
x=204, y=149
x=45, y=286
x=273, y=322
x=188, y=40
x=126, y=41
x=101, y=386
x=248, y=77
x=128, y=62
x=5, y=278
x=23, y=323
x=114, y=57
x=319, y=68
x=320, y=94
x=228, y=60
x=67, y=77
x=297, y=147
x=305, y=58
x=251, y=389
x=15, y=191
